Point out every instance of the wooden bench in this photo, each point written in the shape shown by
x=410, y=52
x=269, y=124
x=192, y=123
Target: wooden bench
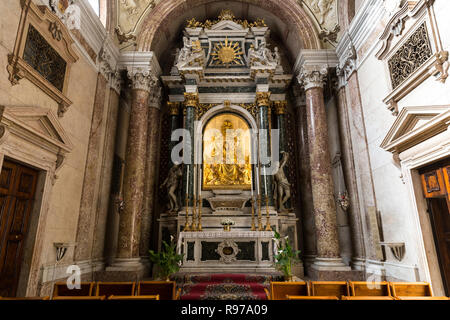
x=312, y=297
x=280, y=290
x=363, y=288
x=25, y=298
x=165, y=289
x=367, y=298
x=154, y=297
x=411, y=289
x=422, y=298
x=78, y=298
x=61, y=290
x=329, y=288
x=115, y=288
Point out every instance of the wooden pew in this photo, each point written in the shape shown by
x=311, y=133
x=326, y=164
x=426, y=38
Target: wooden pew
x=78, y=298
x=330, y=288
x=312, y=297
x=115, y=288
x=24, y=298
x=165, y=289
x=422, y=298
x=154, y=297
x=363, y=288
x=411, y=289
x=367, y=298
x=280, y=290
x=61, y=290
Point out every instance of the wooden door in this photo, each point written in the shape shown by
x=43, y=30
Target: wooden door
x=436, y=186
x=17, y=189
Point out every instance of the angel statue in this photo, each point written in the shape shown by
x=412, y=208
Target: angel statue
x=171, y=183
x=281, y=184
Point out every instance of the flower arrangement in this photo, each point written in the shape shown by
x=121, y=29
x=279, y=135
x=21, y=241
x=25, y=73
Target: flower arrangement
x=285, y=256
x=168, y=261
x=227, y=223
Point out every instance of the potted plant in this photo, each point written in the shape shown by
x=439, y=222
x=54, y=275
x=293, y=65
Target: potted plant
x=167, y=261
x=285, y=256
x=227, y=223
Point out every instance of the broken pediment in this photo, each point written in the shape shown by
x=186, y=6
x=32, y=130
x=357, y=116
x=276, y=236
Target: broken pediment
x=37, y=124
x=415, y=125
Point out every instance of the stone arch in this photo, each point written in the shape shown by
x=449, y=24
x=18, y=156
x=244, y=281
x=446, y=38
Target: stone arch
x=154, y=26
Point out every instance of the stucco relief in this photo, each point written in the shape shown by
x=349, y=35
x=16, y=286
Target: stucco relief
x=325, y=14
x=131, y=12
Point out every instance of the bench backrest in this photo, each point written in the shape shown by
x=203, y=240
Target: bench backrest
x=115, y=288
x=279, y=290
x=363, y=288
x=411, y=289
x=330, y=288
x=165, y=289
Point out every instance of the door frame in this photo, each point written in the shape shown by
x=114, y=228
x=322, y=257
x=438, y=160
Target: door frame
x=429, y=267
x=45, y=151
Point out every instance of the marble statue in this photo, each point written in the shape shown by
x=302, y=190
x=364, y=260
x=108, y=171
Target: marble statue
x=262, y=56
x=171, y=183
x=281, y=184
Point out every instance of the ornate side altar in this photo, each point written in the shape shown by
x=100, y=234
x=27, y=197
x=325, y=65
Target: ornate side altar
x=222, y=251
x=224, y=84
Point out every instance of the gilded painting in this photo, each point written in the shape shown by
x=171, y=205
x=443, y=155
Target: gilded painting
x=227, y=153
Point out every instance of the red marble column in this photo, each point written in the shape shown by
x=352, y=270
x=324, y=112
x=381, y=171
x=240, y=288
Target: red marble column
x=327, y=241
x=134, y=178
x=153, y=148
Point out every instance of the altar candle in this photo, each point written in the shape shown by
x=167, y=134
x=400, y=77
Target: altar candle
x=200, y=181
x=251, y=181
x=187, y=180
x=195, y=181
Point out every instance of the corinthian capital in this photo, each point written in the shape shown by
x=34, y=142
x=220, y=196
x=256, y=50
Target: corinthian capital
x=263, y=99
x=141, y=78
x=191, y=99
x=312, y=76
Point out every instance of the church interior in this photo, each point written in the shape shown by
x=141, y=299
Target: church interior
x=242, y=149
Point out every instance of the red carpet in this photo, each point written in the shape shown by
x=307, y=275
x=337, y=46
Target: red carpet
x=225, y=287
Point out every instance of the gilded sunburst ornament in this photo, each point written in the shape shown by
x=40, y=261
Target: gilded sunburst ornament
x=227, y=53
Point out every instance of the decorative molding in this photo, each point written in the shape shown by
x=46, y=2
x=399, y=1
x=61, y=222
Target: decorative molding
x=41, y=19
x=313, y=76
x=415, y=125
x=347, y=66
x=141, y=78
x=316, y=57
x=228, y=257
x=191, y=99
x=263, y=99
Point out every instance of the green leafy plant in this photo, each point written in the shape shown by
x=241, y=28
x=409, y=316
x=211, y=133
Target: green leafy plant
x=285, y=256
x=168, y=261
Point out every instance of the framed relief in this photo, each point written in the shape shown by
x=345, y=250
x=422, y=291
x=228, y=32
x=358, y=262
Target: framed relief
x=43, y=53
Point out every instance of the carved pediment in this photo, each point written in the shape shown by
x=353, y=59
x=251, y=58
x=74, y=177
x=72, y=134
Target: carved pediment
x=39, y=125
x=227, y=25
x=415, y=125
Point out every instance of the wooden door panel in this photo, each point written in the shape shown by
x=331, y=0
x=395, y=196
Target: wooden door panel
x=433, y=184
x=17, y=188
x=446, y=171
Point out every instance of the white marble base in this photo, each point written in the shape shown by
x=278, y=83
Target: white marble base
x=330, y=264
x=134, y=265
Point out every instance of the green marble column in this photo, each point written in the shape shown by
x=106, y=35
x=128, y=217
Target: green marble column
x=190, y=104
x=266, y=181
x=280, y=111
x=174, y=112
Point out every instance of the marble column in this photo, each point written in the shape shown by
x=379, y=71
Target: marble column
x=134, y=177
x=190, y=104
x=153, y=148
x=327, y=241
x=306, y=200
x=174, y=112
x=266, y=178
x=280, y=112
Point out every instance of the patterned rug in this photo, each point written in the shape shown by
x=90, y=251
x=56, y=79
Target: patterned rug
x=224, y=286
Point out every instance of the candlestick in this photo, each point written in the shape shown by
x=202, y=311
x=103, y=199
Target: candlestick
x=260, y=227
x=253, y=214
x=268, y=227
x=193, y=225
x=200, y=204
x=186, y=224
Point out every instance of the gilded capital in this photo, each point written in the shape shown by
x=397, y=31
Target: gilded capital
x=173, y=108
x=263, y=99
x=191, y=99
x=280, y=107
x=312, y=76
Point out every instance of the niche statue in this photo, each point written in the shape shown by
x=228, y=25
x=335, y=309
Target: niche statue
x=171, y=183
x=281, y=184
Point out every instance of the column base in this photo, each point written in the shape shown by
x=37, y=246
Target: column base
x=125, y=270
x=330, y=264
